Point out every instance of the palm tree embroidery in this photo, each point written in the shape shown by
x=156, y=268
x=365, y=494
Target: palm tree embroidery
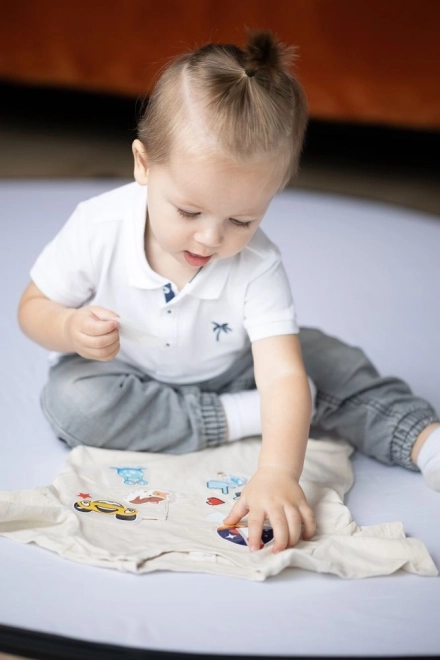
x=219, y=328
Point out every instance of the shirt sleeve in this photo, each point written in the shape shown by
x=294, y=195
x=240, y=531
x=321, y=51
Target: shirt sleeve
x=63, y=271
x=268, y=307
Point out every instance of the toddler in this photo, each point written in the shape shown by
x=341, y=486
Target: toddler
x=180, y=255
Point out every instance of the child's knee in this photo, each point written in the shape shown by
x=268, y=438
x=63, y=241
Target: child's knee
x=334, y=365
x=74, y=409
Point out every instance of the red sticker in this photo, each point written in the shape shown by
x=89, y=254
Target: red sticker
x=214, y=501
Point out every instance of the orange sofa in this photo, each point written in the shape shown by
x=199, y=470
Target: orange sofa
x=374, y=61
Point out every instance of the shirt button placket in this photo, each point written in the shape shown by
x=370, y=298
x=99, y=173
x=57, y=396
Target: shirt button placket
x=170, y=325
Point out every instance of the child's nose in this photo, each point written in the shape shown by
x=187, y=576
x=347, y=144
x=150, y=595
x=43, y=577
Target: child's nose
x=210, y=237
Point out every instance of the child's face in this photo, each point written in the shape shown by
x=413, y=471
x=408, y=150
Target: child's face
x=204, y=209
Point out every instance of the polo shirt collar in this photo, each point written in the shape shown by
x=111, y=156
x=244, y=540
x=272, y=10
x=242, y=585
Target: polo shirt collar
x=207, y=284
x=210, y=280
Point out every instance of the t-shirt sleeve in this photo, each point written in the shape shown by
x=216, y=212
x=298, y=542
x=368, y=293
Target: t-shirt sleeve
x=268, y=307
x=63, y=271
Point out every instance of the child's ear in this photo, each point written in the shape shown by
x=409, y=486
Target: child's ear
x=140, y=163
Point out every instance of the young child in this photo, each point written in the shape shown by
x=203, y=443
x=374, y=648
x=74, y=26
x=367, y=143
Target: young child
x=188, y=264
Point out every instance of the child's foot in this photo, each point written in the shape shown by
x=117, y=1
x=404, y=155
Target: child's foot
x=428, y=460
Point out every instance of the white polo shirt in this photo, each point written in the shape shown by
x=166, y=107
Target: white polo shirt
x=98, y=258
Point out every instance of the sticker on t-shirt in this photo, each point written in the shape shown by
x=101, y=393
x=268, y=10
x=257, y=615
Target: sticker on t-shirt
x=139, y=497
x=107, y=508
x=216, y=517
x=214, y=501
x=239, y=534
x=225, y=481
x=131, y=475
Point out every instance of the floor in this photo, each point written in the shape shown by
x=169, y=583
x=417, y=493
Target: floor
x=47, y=133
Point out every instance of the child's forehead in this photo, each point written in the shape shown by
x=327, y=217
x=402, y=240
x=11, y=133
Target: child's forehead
x=209, y=162
x=206, y=180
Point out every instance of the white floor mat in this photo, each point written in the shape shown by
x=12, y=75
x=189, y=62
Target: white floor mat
x=366, y=272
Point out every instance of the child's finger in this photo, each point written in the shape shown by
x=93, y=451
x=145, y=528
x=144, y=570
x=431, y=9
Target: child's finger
x=309, y=523
x=99, y=342
x=238, y=511
x=95, y=328
x=294, y=522
x=281, y=532
x=255, y=529
x=107, y=353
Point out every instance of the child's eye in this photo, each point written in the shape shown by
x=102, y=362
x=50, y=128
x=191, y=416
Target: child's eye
x=194, y=214
x=186, y=214
x=243, y=225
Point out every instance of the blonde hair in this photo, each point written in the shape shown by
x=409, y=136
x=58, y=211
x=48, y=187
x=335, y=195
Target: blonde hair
x=247, y=101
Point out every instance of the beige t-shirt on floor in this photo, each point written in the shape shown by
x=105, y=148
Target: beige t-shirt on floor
x=142, y=512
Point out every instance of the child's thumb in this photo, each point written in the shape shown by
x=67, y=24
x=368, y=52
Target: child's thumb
x=103, y=314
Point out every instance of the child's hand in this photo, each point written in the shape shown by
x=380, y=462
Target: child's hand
x=89, y=336
x=274, y=493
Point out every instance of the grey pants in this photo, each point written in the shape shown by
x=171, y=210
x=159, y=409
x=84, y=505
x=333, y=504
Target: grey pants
x=116, y=406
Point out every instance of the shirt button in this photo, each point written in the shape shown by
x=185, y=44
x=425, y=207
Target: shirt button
x=169, y=311
x=167, y=344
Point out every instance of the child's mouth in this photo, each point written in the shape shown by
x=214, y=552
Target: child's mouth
x=195, y=259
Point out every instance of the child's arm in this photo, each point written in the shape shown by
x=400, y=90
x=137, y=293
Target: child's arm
x=66, y=329
x=274, y=492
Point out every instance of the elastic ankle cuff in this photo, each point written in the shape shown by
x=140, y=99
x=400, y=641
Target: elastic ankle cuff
x=405, y=435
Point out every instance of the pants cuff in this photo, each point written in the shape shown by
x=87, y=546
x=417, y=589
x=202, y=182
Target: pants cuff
x=214, y=419
x=407, y=433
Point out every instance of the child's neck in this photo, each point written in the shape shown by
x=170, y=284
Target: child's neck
x=166, y=266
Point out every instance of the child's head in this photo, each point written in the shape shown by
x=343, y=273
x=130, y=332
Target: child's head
x=242, y=104
x=222, y=133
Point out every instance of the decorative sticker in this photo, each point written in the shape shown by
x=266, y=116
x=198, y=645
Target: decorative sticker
x=107, y=508
x=214, y=501
x=85, y=496
x=131, y=475
x=215, y=517
x=139, y=497
x=218, y=485
x=226, y=481
x=239, y=534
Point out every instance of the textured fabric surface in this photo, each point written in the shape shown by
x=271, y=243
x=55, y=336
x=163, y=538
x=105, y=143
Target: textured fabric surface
x=141, y=512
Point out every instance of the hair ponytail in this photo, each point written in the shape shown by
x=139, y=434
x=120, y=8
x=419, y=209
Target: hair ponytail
x=266, y=57
x=248, y=99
